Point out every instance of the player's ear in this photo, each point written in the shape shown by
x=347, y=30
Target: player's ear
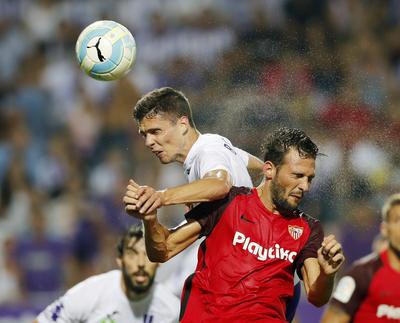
x=119, y=262
x=184, y=125
x=269, y=170
x=384, y=230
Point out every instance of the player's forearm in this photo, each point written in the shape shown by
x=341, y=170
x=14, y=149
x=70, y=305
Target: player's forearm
x=335, y=315
x=321, y=289
x=156, y=236
x=163, y=244
x=203, y=190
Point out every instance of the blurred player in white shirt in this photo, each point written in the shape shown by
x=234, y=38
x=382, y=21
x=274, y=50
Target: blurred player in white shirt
x=126, y=295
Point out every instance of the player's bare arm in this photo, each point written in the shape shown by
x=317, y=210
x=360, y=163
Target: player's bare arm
x=162, y=244
x=319, y=273
x=335, y=314
x=145, y=199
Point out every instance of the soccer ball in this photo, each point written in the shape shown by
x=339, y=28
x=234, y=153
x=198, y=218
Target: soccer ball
x=106, y=50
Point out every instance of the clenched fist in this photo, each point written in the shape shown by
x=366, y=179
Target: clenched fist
x=141, y=200
x=330, y=255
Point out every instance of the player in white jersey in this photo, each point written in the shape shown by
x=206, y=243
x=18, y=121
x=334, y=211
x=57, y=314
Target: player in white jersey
x=211, y=163
x=126, y=295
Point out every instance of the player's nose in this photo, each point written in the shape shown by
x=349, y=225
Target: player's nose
x=304, y=185
x=149, y=141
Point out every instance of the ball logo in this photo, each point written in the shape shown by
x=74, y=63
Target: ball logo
x=345, y=289
x=97, y=54
x=295, y=231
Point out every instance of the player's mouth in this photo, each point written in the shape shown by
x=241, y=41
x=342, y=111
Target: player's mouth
x=298, y=197
x=141, y=277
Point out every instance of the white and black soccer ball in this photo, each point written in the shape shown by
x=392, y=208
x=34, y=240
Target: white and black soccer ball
x=106, y=50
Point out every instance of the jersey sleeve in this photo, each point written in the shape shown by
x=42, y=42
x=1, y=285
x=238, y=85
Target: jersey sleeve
x=244, y=156
x=209, y=213
x=310, y=249
x=74, y=306
x=211, y=159
x=351, y=290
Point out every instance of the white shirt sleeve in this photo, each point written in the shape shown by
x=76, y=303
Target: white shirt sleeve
x=211, y=159
x=243, y=155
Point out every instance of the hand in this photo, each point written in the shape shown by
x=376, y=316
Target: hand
x=330, y=255
x=142, y=199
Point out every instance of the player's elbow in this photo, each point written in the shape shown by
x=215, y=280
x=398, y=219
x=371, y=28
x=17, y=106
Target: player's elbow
x=158, y=257
x=317, y=300
x=223, y=187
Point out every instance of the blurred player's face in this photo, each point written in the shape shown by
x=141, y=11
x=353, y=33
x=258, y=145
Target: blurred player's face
x=137, y=270
x=292, y=180
x=391, y=228
x=164, y=137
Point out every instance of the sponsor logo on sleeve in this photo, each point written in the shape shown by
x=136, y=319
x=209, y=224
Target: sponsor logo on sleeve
x=148, y=318
x=295, y=231
x=110, y=318
x=345, y=289
x=56, y=311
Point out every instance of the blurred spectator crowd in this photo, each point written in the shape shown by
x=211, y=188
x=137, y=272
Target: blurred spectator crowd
x=69, y=144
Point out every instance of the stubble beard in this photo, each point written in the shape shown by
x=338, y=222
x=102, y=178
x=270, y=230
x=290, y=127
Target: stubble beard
x=277, y=196
x=133, y=288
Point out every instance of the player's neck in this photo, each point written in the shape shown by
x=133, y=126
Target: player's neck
x=192, y=137
x=265, y=197
x=394, y=257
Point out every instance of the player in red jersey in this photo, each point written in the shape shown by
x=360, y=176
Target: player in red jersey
x=255, y=240
x=370, y=290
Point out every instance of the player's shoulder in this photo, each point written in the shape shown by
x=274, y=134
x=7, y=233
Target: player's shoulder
x=94, y=284
x=305, y=216
x=243, y=191
x=358, y=276
x=366, y=265
x=311, y=221
x=164, y=300
x=211, y=141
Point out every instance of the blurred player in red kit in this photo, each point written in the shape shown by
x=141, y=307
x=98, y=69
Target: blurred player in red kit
x=370, y=290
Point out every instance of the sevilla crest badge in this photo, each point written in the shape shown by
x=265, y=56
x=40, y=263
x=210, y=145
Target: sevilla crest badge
x=295, y=231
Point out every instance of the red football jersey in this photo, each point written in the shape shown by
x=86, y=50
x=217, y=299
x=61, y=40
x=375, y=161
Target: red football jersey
x=370, y=291
x=246, y=263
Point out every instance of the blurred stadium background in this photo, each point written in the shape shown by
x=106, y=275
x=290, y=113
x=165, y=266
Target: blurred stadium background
x=68, y=144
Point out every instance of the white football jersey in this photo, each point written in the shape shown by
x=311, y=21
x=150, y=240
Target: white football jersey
x=211, y=152
x=101, y=299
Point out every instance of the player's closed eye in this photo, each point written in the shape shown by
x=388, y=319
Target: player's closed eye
x=131, y=251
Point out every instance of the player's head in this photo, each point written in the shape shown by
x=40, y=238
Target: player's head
x=165, y=119
x=137, y=270
x=390, y=227
x=289, y=166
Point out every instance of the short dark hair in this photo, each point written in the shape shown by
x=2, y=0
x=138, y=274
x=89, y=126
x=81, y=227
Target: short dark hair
x=165, y=100
x=133, y=232
x=280, y=141
x=393, y=200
